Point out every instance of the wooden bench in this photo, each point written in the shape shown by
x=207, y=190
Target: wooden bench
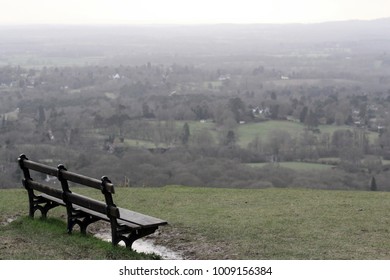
x=126, y=225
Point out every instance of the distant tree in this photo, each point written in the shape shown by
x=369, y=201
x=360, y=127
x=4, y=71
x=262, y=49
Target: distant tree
x=273, y=95
x=341, y=139
x=303, y=114
x=118, y=120
x=41, y=115
x=237, y=106
x=351, y=147
x=311, y=120
x=275, y=111
x=351, y=158
x=373, y=186
x=278, y=142
x=203, y=138
x=226, y=119
x=230, y=139
x=167, y=132
x=185, y=134
x=363, y=114
x=201, y=111
x=384, y=139
x=147, y=112
x=3, y=122
x=256, y=145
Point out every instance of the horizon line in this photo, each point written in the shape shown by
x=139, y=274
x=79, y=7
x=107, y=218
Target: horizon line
x=151, y=23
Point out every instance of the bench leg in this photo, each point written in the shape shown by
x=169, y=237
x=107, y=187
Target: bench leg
x=41, y=204
x=127, y=237
x=49, y=205
x=83, y=221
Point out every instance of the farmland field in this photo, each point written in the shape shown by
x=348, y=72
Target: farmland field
x=245, y=132
x=297, y=166
x=248, y=132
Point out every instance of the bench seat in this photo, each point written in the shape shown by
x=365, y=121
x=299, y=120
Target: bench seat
x=52, y=198
x=139, y=219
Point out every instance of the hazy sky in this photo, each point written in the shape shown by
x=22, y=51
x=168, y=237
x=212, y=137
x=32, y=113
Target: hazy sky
x=188, y=11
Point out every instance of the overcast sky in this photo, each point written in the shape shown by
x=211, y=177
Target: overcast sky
x=188, y=11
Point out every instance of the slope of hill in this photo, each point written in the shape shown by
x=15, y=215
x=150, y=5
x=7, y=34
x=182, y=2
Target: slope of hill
x=208, y=223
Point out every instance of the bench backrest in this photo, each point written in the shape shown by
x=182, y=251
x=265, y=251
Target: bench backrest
x=64, y=176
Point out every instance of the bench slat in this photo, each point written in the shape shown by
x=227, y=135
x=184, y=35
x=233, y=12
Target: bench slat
x=105, y=218
x=40, y=167
x=86, y=181
x=45, y=189
x=87, y=202
x=54, y=199
x=82, y=180
x=70, y=176
x=140, y=219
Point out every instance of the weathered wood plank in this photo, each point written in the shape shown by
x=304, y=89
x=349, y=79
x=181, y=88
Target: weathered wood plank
x=39, y=167
x=140, y=219
x=45, y=189
x=105, y=218
x=86, y=181
x=87, y=202
x=52, y=198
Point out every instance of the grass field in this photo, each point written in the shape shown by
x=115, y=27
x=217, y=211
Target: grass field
x=206, y=223
x=297, y=166
x=248, y=132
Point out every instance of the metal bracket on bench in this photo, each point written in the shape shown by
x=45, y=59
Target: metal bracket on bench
x=81, y=219
x=123, y=234
x=36, y=205
x=38, y=202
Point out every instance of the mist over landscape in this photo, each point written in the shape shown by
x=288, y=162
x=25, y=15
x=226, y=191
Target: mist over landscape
x=223, y=105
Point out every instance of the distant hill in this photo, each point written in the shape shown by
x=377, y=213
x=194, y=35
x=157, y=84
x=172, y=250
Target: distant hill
x=152, y=41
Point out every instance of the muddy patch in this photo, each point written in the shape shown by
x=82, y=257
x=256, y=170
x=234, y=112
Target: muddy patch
x=8, y=220
x=145, y=245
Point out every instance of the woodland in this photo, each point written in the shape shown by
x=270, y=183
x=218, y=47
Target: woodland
x=227, y=106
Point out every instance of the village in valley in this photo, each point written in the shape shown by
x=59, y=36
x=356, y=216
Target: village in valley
x=243, y=107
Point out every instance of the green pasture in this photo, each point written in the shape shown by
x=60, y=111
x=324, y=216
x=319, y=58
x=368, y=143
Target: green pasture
x=217, y=223
x=247, y=132
x=295, y=165
x=140, y=143
x=196, y=126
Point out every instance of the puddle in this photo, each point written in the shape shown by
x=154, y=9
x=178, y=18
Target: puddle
x=146, y=246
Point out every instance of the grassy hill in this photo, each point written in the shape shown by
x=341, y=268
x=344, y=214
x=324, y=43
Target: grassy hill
x=208, y=223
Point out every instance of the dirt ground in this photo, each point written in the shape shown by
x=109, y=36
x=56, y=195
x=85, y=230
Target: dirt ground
x=192, y=246
x=187, y=245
